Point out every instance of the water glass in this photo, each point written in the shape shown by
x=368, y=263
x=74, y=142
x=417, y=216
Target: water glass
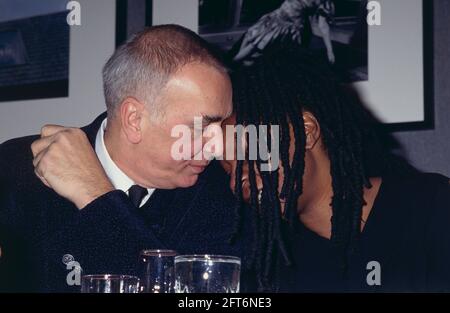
x=157, y=271
x=107, y=283
x=207, y=274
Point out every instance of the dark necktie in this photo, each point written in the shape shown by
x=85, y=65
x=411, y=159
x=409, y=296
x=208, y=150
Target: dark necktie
x=136, y=194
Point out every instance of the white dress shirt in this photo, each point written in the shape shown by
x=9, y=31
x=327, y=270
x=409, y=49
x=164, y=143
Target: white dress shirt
x=117, y=177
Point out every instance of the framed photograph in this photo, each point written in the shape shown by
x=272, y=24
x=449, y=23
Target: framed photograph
x=243, y=30
x=34, y=49
x=132, y=16
x=400, y=86
x=389, y=65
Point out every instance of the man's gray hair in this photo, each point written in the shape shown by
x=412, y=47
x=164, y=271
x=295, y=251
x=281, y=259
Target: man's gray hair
x=141, y=67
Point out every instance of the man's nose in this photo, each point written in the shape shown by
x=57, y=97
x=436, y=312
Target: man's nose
x=213, y=147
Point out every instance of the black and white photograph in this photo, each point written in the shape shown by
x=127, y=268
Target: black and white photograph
x=244, y=29
x=241, y=151
x=34, y=49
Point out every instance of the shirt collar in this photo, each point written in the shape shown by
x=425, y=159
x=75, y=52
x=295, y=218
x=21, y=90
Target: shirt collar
x=117, y=177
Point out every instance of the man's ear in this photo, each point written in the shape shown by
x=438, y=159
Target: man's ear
x=312, y=130
x=131, y=114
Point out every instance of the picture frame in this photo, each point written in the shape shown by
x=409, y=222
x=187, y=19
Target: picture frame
x=399, y=90
x=402, y=97
x=34, y=51
x=124, y=15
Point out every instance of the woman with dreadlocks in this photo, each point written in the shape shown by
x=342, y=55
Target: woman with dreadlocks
x=336, y=215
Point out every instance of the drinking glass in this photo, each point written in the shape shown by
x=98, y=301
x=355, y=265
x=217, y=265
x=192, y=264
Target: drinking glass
x=107, y=283
x=157, y=271
x=207, y=274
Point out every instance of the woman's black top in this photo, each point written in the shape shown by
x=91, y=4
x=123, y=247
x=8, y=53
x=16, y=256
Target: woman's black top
x=404, y=246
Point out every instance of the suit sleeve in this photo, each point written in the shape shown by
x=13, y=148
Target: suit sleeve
x=35, y=235
x=104, y=237
x=14, y=266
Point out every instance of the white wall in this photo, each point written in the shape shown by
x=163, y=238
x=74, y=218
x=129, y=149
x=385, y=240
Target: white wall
x=394, y=92
x=184, y=13
x=93, y=42
x=90, y=46
x=430, y=150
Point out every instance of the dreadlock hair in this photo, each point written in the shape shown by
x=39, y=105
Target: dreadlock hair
x=276, y=90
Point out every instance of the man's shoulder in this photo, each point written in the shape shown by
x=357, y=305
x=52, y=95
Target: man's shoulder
x=13, y=144
x=16, y=152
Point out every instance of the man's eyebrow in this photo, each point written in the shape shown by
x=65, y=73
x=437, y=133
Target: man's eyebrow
x=208, y=119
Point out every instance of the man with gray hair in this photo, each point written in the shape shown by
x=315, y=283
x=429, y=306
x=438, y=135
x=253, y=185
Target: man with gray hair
x=57, y=209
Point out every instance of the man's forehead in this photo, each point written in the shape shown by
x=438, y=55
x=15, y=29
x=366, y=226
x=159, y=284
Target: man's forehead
x=195, y=75
x=202, y=97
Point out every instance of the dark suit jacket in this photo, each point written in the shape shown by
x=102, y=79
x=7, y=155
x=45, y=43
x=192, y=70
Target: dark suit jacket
x=38, y=227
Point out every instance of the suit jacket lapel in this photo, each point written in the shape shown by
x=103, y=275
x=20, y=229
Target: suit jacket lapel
x=166, y=211
x=92, y=129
